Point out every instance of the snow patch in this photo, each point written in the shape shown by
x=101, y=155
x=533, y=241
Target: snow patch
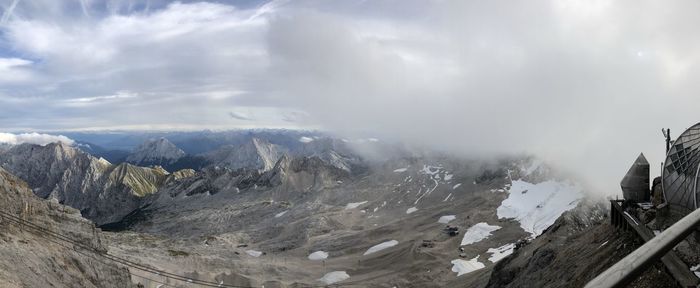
x=104, y=161
x=430, y=170
x=318, y=255
x=463, y=266
x=537, y=206
x=333, y=277
x=401, y=170
x=501, y=252
x=278, y=215
x=411, y=210
x=354, y=205
x=478, y=232
x=448, y=177
x=446, y=219
x=253, y=253
x=381, y=246
x=456, y=186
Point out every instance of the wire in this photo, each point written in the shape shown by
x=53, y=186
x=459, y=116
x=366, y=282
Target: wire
x=139, y=266
x=117, y=259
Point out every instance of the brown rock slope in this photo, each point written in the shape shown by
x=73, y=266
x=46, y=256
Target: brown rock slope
x=32, y=259
x=572, y=252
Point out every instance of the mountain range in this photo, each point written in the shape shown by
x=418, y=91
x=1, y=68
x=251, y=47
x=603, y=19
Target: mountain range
x=319, y=210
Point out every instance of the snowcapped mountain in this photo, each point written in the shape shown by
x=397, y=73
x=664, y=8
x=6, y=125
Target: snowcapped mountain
x=155, y=152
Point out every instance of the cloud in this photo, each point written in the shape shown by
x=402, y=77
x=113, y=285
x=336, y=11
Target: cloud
x=239, y=116
x=181, y=64
x=33, y=138
x=584, y=84
x=14, y=70
x=7, y=13
x=561, y=79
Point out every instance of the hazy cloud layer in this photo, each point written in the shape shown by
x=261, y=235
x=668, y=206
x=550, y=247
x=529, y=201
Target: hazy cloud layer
x=33, y=138
x=586, y=84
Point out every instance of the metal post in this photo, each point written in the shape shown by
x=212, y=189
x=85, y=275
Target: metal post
x=639, y=260
x=695, y=188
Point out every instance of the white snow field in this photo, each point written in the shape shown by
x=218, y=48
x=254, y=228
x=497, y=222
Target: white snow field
x=501, y=252
x=253, y=253
x=478, y=232
x=446, y=219
x=537, y=206
x=381, y=246
x=354, y=205
x=318, y=255
x=463, y=266
x=333, y=277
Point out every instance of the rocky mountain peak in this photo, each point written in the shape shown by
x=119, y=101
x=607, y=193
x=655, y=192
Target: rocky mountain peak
x=142, y=181
x=254, y=154
x=158, y=151
x=40, y=260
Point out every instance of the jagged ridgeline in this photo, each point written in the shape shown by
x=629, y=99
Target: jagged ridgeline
x=103, y=192
x=290, y=210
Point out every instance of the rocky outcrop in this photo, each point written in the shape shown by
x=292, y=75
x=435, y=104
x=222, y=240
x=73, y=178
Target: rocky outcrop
x=156, y=152
x=103, y=192
x=254, y=154
x=32, y=259
x=574, y=250
x=332, y=151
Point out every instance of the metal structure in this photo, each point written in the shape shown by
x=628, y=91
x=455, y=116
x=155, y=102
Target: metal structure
x=636, y=262
x=679, y=181
x=635, y=184
x=680, y=171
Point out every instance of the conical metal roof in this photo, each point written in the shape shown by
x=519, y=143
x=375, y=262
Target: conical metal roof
x=635, y=184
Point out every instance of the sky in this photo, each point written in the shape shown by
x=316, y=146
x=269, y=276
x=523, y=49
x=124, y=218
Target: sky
x=586, y=85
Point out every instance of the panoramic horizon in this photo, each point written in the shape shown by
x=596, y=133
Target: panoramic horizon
x=437, y=74
x=383, y=143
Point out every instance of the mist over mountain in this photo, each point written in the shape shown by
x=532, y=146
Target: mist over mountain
x=388, y=144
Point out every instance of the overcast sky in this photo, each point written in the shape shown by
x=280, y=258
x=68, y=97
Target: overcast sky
x=587, y=84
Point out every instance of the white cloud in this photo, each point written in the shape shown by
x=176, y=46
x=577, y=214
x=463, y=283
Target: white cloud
x=33, y=138
x=14, y=70
x=562, y=79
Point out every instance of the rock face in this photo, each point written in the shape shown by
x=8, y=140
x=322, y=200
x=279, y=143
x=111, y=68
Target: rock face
x=574, y=250
x=156, y=152
x=103, y=192
x=31, y=259
x=254, y=154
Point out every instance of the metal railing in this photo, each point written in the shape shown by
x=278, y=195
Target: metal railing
x=629, y=268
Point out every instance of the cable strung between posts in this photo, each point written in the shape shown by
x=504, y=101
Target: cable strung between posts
x=117, y=259
x=139, y=266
